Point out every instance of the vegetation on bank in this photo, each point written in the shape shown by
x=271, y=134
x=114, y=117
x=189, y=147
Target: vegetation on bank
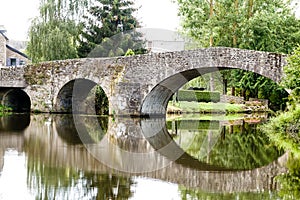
x=284, y=130
x=200, y=96
x=4, y=109
x=210, y=107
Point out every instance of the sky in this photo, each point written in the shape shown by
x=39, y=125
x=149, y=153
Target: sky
x=16, y=15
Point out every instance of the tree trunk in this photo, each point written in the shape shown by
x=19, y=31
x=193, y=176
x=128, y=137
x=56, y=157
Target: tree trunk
x=225, y=83
x=233, y=91
x=250, y=9
x=211, y=43
x=236, y=6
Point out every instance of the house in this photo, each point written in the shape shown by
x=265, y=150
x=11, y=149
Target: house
x=161, y=40
x=10, y=56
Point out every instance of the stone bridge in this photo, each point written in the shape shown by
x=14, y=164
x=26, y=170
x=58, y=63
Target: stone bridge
x=138, y=86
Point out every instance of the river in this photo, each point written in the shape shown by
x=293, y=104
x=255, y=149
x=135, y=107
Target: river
x=51, y=156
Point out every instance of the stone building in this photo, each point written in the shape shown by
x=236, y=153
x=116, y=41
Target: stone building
x=10, y=56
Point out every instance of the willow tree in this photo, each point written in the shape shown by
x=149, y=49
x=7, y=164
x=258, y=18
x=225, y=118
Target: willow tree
x=53, y=35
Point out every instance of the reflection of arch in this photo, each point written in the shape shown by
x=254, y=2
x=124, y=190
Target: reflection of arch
x=156, y=133
x=76, y=96
x=16, y=99
x=13, y=123
x=87, y=132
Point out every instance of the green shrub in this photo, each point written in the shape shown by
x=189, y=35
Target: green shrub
x=199, y=96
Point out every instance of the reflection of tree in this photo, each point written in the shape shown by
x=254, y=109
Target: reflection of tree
x=55, y=162
x=244, y=150
x=284, y=132
x=195, y=194
x=66, y=183
x=239, y=147
x=111, y=186
x=91, y=128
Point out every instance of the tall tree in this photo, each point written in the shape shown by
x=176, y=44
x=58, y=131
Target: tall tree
x=104, y=28
x=53, y=34
x=264, y=25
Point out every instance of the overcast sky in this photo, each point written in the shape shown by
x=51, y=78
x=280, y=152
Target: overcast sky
x=16, y=15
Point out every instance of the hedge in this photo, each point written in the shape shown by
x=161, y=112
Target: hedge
x=195, y=125
x=200, y=96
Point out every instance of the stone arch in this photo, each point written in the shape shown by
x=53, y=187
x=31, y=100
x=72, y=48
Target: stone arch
x=16, y=99
x=156, y=101
x=75, y=97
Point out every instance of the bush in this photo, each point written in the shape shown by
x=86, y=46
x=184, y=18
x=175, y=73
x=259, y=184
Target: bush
x=199, y=96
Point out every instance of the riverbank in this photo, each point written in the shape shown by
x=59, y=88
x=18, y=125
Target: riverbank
x=224, y=108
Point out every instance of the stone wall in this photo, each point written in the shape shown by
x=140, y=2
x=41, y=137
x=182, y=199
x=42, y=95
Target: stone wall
x=12, y=77
x=231, y=99
x=2, y=50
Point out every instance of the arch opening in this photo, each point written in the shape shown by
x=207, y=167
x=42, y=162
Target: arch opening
x=156, y=102
x=16, y=99
x=82, y=96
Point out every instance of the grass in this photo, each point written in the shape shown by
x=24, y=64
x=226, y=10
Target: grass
x=200, y=107
x=4, y=110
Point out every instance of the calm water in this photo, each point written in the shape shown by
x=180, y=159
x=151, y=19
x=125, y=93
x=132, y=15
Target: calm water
x=87, y=157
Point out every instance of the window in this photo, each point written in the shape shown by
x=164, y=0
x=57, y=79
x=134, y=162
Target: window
x=13, y=62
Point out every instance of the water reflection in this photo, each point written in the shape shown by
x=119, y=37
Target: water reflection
x=234, y=144
x=14, y=123
x=88, y=157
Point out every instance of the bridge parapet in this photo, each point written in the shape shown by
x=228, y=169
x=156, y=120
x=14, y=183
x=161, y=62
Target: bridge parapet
x=12, y=77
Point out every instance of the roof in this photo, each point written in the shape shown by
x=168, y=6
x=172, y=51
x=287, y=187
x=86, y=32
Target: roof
x=2, y=33
x=16, y=51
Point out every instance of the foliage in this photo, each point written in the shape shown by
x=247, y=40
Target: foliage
x=200, y=96
x=292, y=73
x=54, y=34
x=197, y=194
x=290, y=182
x=283, y=131
x=129, y=52
x=101, y=102
x=4, y=109
x=263, y=25
x=108, y=30
x=237, y=147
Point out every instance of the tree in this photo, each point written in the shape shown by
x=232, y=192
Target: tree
x=283, y=129
x=292, y=73
x=106, y=29
x=263, y=25
x=54, y=34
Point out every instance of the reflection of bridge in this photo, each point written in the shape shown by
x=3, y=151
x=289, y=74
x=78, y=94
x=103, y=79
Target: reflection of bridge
x=138, y=85
x=59, y=150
